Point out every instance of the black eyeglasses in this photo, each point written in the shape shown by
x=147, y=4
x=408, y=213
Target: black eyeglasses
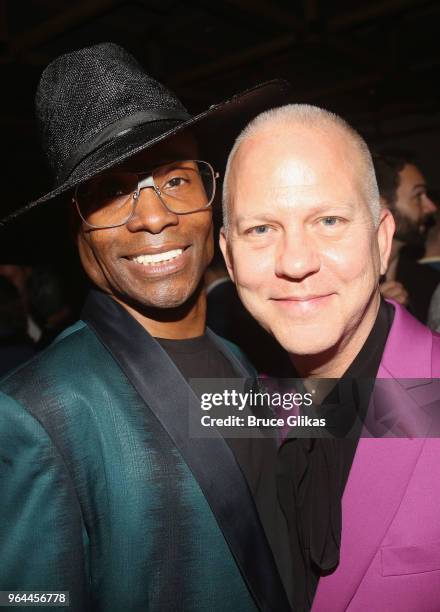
x=109, y=200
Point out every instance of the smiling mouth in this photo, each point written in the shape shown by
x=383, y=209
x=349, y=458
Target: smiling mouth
x=304, y=304
x=157, y=258
x=309, y=298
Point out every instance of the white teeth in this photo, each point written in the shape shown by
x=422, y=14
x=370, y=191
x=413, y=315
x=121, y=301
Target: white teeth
x=147, y=260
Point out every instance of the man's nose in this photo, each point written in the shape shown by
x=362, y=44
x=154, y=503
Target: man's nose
x=428, y=206
x=151, y=214
x=297, y=256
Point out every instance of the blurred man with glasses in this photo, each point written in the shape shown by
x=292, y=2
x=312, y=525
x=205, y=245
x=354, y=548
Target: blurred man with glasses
x=104, y=493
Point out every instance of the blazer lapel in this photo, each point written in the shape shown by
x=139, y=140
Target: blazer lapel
x=378, y=480
x=166, y=393
x=408, y=350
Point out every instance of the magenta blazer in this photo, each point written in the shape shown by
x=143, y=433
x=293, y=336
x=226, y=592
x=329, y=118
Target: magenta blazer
x=390, y=548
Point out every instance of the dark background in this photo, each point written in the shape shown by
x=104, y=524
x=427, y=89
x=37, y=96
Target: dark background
x=376, y=63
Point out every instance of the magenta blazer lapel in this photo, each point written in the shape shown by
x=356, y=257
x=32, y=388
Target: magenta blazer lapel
x=408, y=351
x=380, y=472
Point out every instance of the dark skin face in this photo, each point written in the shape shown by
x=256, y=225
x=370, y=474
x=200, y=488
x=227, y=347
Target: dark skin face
x=166, y=297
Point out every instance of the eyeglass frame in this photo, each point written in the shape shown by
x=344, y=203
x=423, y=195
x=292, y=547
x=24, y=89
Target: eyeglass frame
x=148, y=183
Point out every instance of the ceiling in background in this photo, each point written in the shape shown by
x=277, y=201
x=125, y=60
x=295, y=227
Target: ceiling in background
x=374, y=62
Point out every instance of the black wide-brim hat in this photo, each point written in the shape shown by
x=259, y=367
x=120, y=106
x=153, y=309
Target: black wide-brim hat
x=97, y=107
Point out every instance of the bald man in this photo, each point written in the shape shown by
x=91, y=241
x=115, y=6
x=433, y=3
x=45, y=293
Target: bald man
x=305, y=240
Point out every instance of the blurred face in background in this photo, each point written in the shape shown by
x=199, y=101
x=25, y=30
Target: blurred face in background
x=18, y=275
x=301, y=244
x=412, y=206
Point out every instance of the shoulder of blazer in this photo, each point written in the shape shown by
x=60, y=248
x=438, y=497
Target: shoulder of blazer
x=66, y=360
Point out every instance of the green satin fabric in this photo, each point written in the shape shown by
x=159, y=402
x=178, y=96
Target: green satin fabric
x=94, y=497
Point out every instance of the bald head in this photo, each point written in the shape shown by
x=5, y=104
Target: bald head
x=298, y=123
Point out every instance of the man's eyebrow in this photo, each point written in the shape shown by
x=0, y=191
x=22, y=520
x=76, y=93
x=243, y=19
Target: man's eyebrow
x=313, y=210
x=420, y=186
x=254, y=217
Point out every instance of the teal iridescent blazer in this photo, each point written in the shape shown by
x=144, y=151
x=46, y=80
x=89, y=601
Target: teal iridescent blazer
x=103, y=493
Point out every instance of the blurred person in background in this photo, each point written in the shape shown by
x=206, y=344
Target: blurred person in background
x=431, y=256
x=434, y=311
x=16, y=347
x=19, y=275
x=48, y=303
x=431, y=259
x=403, y=190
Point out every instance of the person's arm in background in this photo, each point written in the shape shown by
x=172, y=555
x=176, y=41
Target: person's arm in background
x=395, y=291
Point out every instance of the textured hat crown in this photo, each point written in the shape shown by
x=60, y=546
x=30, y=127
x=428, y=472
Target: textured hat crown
x=83, y=92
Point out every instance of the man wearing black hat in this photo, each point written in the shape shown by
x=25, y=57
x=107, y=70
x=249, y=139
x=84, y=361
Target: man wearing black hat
x=103, y=492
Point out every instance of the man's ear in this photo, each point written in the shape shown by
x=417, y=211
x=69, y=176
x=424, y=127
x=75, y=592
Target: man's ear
x=385, y=232
x=225, y=249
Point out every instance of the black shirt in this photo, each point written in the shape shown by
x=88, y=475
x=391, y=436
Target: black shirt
x=198, y=358
x=257, y=457
x=312, y=473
